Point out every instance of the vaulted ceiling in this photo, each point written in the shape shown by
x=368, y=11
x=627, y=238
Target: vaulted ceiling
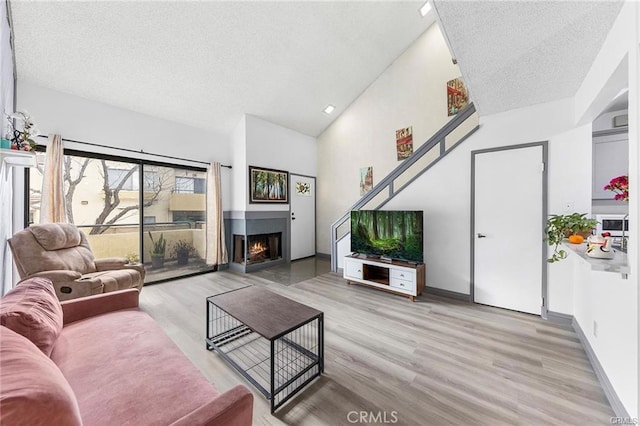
x=206, y=63
x=519, y=53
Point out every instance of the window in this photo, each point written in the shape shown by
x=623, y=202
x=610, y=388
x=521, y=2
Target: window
x=117, y=176
x=131, y=179
x=185, y=216
x=144, y=210
x=189, y=185
x=149, y=220
x=150, y=181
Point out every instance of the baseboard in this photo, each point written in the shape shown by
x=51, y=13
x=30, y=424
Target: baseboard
x=448, y=293
x=323, y=255
x=611, y=394
x=559, y=318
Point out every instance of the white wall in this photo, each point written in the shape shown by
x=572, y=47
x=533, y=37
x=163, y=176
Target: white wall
x=607, y=301
x=239, y=154
x=411, y=92
x=444, y=192
x=89, y=121
x=618, y=66
x=605, y=120
x=275, y=147
x=569, y=178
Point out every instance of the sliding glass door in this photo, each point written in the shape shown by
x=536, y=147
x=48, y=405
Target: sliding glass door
x=101, y=199
x=110, y=197
x=174, y=213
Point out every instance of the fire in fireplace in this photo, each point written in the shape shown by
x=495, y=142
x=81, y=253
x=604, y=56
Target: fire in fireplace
x=259, y=248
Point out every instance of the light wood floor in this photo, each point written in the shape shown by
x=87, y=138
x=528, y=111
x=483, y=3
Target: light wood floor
x=433, y=362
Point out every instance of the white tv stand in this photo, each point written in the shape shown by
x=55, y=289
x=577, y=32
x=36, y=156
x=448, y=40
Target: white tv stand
x=403, y=278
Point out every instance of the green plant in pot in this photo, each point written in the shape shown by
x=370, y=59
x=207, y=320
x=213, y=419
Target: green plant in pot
x=575, y=226
x=132, y=258
x=579, y=224
x=158, y=251
x=182, y=250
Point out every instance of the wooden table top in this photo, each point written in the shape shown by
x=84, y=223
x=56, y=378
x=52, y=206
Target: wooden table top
x=266, y=313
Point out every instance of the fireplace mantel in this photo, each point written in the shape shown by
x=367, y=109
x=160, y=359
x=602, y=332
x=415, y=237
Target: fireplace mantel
x=241, y=225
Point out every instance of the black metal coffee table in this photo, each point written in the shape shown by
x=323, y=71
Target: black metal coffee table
x=274, y=342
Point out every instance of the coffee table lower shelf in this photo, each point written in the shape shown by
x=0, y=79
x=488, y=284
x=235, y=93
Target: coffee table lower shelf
x=279, y=367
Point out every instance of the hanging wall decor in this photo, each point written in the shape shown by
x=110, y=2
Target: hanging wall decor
x=366, y=180
x=268, y=186
x=404, y=142
x=457, y=96
x=303, y=189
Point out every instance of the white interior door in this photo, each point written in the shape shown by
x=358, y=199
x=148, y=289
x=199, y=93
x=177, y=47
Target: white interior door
x=508, y=218
x=303, y=216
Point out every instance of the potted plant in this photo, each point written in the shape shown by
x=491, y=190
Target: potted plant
x=132, y=258
x=619, y=185
x=579, y=225
x=575, y=226
x=158, y=251
x=22, y=140
x=182, y=250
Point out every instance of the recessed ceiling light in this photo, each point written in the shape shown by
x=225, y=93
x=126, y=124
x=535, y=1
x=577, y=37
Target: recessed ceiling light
x=425, y=9
x=329, y=109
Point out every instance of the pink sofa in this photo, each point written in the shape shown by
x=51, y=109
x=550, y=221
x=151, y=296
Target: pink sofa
x=100, y=360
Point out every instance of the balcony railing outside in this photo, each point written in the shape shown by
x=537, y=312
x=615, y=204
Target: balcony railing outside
x=122, y=240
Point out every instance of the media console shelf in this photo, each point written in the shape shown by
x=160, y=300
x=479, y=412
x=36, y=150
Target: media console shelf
x=403, y=278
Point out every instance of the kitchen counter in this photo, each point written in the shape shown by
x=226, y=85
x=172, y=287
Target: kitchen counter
x=619, y=264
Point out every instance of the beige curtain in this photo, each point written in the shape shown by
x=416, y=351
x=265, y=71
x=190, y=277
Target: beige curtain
x=52, y=207
x=216, y=248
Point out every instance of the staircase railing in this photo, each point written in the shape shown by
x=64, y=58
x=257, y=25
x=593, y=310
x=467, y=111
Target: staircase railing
x=423, y=158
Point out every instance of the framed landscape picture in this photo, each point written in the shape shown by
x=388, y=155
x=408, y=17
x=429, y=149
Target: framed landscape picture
x=268, y=186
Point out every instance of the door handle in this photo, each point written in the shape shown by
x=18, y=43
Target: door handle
x=481, y=235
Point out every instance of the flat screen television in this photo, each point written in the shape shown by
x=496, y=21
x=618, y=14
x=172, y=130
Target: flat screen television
x=397, y=234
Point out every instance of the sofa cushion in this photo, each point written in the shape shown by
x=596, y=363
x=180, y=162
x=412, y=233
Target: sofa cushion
x=33, y=310
x=112, y=380
x=34, y=391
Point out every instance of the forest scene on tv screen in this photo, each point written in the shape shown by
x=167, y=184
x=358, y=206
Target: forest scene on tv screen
x=395, y=234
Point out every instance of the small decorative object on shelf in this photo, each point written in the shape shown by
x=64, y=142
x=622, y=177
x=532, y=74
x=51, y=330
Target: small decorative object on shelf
x=619, y=185
x=599, y=246
x=21, y=140
x=576, y=227
x=133, y=258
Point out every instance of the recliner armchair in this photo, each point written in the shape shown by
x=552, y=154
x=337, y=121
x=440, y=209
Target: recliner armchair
x=61, y=253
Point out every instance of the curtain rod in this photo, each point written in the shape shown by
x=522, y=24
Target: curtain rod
x=137, y=152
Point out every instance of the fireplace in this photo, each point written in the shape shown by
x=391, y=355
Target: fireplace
x=257, y=240
x=257, y=248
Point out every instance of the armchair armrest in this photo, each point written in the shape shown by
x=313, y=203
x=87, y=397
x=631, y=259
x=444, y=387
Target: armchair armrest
x=57, y=276
x=85, y=307
x=110, y=263
x=232, y=408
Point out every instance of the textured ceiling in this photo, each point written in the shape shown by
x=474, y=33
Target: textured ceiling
x=207, y=63
x=519, y=53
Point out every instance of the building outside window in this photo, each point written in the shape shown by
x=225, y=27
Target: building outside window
x=189, y=185
x=120, y=213
x=131, y=180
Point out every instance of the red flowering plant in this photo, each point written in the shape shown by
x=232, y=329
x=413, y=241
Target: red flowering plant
x=619, y=185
